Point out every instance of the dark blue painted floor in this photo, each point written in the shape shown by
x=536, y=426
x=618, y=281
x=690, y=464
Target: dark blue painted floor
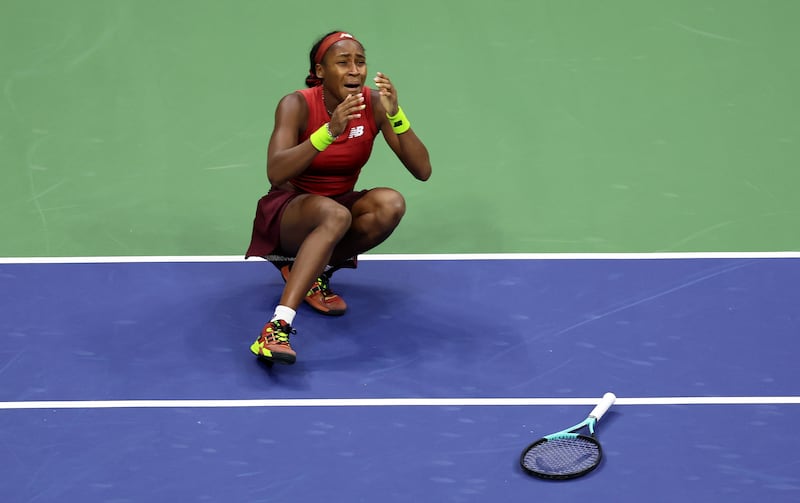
x=436, y=329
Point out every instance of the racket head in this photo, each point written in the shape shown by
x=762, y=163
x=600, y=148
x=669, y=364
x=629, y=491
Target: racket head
x=562, y=457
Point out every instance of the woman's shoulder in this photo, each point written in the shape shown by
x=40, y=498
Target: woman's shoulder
x=307, y=92
x=292, y=110
x=293, y=100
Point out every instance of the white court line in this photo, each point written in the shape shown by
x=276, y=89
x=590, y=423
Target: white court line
x=421, y=256
x=393, y=402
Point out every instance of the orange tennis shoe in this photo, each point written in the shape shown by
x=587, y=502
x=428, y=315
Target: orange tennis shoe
x=273, y=343
x=320, y=297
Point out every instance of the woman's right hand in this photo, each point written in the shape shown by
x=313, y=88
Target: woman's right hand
x=347, y=110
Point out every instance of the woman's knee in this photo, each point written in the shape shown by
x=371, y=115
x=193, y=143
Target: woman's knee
x=332, y=217
x=315, y=212
x=338, y=216
x=391, y=205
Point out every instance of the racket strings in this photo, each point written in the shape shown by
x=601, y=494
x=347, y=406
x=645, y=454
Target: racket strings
x=562, y=456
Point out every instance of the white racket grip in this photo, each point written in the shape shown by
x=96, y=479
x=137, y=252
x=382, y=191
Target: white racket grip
x=603, y=406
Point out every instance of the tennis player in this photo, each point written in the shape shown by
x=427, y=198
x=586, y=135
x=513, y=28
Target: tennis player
x=322, y=137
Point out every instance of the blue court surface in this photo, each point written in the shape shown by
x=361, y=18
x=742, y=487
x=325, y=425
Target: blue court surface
x=133, y=381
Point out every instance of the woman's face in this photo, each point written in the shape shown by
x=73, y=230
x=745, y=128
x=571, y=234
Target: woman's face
x=343, y=68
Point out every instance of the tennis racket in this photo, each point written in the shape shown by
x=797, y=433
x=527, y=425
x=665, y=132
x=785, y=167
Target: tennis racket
x=567, y=454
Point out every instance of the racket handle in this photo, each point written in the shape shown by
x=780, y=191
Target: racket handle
x=603, y=406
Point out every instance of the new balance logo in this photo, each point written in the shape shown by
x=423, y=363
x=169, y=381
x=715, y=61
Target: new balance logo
x=356, y=132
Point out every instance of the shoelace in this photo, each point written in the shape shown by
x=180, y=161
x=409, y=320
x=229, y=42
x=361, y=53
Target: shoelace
x=321, y=286
x=278, y=334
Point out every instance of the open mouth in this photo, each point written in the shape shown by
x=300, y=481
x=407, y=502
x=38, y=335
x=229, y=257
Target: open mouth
x=354, y=86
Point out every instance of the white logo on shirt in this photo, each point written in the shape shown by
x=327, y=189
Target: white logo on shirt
x=356, y=132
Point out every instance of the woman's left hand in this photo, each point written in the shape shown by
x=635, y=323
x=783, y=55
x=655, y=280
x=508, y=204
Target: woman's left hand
x=388, y=93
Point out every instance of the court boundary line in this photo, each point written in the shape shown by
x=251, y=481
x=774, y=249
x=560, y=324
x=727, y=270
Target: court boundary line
x=389, y=402
x=412, y=257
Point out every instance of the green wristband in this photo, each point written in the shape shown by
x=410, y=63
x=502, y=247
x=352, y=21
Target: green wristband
x=321, y=138
x=399, y=121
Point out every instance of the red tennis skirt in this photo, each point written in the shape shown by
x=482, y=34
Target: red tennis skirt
x=266, y=239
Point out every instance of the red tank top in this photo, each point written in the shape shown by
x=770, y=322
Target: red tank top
x=335, y=170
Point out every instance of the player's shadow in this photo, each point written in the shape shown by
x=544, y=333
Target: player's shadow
x=385, y=325
x=388, y=328
x=356, y=341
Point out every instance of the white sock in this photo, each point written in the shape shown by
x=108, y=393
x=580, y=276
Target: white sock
x=284, y=313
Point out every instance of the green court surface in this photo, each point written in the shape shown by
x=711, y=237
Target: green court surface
x=140, y=127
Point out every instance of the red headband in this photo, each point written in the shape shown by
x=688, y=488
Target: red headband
x=331, y=39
